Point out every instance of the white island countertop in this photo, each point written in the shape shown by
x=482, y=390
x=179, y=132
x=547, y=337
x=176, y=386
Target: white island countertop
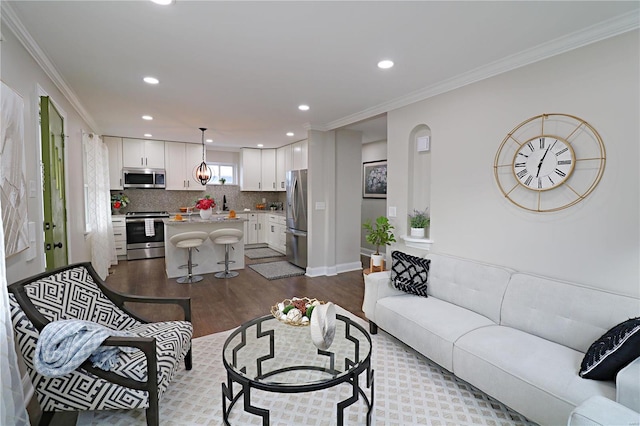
x=208, y=254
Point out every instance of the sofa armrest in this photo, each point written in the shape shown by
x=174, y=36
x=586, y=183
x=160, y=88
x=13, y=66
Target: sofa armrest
x=377, y=285
x=628, y=385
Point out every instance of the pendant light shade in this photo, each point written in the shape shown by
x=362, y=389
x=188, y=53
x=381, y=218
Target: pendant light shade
x=202, y=173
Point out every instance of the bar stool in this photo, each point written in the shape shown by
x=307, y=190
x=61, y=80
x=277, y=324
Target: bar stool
x=227, y=237
x=189, y=241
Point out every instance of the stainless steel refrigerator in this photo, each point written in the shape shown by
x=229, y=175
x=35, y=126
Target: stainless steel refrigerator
x=297, y=217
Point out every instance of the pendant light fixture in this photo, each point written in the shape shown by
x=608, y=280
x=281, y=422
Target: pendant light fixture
x=202, y=173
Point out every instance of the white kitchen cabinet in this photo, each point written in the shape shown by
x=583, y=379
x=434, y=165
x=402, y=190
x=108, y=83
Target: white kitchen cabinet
x=283, y=164
x=299, y=155
x=256, y=229
x=145, y=153
x=257, y=169
x=180, y=161
x=250, y=169
x=268, y=163
x=114, y=145
x=276, y=237
x=120, y=234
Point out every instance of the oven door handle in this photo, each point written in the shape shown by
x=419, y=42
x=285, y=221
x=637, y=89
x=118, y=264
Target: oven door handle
x=156, y=220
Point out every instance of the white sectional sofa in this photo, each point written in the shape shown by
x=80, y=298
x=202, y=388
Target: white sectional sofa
x=518, y=337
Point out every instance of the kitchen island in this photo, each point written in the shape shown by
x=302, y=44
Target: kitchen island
x=208, y=254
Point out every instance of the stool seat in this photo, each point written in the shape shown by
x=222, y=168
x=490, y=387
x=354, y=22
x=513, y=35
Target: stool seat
x=189, y=240
x=226, y=237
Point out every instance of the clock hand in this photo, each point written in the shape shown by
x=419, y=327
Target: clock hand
x=545, y=154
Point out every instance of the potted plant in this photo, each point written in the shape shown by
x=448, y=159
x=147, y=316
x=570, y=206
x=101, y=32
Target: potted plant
x=418, y=221
x=205, y=205
x=379, y=234
x=222, y=180
x=118, y=201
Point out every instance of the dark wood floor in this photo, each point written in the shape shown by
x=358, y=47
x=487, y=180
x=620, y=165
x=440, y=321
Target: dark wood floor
x=222, y=304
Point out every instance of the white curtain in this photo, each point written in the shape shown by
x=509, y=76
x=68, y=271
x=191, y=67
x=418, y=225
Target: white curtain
x=103, y=246
x=12, y=406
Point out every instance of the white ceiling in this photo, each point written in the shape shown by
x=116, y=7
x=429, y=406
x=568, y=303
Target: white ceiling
x=241, y=68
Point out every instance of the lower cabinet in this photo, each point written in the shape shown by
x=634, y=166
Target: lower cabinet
x=276, y=236
x=255, y=228
x=120, y=234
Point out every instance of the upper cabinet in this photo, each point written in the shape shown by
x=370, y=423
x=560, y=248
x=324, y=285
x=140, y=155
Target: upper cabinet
x=145, y=153
x=299, y=152
x=180, y=161
x=283, y=164
x=250, y=169
x=257, y=169
x=268, y=164
x=114, y=145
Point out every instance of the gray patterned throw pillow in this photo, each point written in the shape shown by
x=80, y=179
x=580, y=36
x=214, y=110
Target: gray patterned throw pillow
x=409, y=273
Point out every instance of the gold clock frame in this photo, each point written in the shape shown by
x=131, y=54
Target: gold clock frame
x=586, y=172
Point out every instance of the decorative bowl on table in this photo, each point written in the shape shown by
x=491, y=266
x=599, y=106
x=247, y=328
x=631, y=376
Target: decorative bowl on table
x=183, y=209
x=290, y=311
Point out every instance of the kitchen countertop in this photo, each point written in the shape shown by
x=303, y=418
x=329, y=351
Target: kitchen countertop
x=195, y=218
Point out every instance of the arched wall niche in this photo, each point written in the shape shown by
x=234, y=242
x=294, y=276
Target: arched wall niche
x=419, y=169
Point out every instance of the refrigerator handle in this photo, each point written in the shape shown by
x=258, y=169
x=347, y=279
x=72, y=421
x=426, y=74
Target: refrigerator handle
x=294, y=209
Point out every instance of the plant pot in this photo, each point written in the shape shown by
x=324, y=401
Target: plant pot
x=206, y=214
x=417, y=232
x=376, y=259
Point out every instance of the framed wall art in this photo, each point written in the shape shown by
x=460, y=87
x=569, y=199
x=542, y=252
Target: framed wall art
x=13, y=184
x=374, y=179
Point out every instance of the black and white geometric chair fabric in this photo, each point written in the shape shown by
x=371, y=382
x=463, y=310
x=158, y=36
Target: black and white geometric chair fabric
x=139, y=378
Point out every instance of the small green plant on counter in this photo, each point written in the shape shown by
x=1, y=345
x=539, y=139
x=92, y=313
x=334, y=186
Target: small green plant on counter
x=222, y=181
x=379, y=233
x=419, y=219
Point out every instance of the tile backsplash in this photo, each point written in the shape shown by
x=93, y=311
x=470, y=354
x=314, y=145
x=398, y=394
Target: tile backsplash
x=171, y=201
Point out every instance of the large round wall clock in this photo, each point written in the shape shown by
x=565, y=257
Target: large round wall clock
x=549, y=162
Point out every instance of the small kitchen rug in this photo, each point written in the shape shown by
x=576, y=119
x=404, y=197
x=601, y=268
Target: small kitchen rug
x=276, y=270
x=261, y=253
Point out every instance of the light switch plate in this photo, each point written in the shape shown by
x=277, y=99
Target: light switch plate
x=392, y=212
x=320, y=205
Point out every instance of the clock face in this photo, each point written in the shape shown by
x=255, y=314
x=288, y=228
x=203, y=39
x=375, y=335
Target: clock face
x=543, y=163
x=549, y=162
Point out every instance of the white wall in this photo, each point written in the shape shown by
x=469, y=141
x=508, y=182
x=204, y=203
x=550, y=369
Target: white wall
x=595, y=242
x=22, y=74
x=371, y=208
x=348, y=183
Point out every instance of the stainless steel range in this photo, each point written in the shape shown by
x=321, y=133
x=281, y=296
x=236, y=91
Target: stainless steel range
x=145, y=234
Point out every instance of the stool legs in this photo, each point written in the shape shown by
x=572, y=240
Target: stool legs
x=190, y=278
x=226, y=273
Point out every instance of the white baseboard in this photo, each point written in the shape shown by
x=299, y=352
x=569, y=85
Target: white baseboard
x=329, y=271
x=347, y=267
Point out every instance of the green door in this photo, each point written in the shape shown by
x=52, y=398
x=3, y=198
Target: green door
x=55, y=214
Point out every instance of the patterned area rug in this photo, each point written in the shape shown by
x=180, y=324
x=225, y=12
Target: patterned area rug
x=276, y=270
x=409, y=390
x=261, y=253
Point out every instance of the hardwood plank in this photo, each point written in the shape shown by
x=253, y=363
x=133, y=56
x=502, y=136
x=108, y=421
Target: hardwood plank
x=223, y=304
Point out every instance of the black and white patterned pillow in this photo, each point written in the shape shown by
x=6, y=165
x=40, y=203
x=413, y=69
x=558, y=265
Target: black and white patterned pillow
x=612, y=352
x=409, y=273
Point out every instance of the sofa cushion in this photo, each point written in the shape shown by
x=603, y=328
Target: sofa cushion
x=565, y=313
x=430, y=326
x=612, y=351
x=525, y=372
x=473, y=285
x=409, y=273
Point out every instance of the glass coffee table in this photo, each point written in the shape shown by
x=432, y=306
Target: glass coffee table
x=268, y=355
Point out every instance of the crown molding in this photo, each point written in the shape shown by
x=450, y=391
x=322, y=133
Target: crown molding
x=10, y=18
x=607, y=29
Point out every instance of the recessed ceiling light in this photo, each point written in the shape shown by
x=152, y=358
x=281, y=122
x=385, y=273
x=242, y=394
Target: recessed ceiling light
x=385, y=64
x=303, y=107
x=163, y=2
x=147, y=117
x=290, y=133
x=151, y=80
x=209, y=140
x=260, y=145
x=147, y=135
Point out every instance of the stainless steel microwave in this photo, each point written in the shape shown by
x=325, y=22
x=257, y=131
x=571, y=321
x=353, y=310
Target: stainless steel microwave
x=143, y=178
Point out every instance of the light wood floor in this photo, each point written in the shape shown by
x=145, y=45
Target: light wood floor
x=222, y=304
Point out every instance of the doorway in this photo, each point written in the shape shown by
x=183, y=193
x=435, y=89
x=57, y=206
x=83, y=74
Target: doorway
x=53, y=187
